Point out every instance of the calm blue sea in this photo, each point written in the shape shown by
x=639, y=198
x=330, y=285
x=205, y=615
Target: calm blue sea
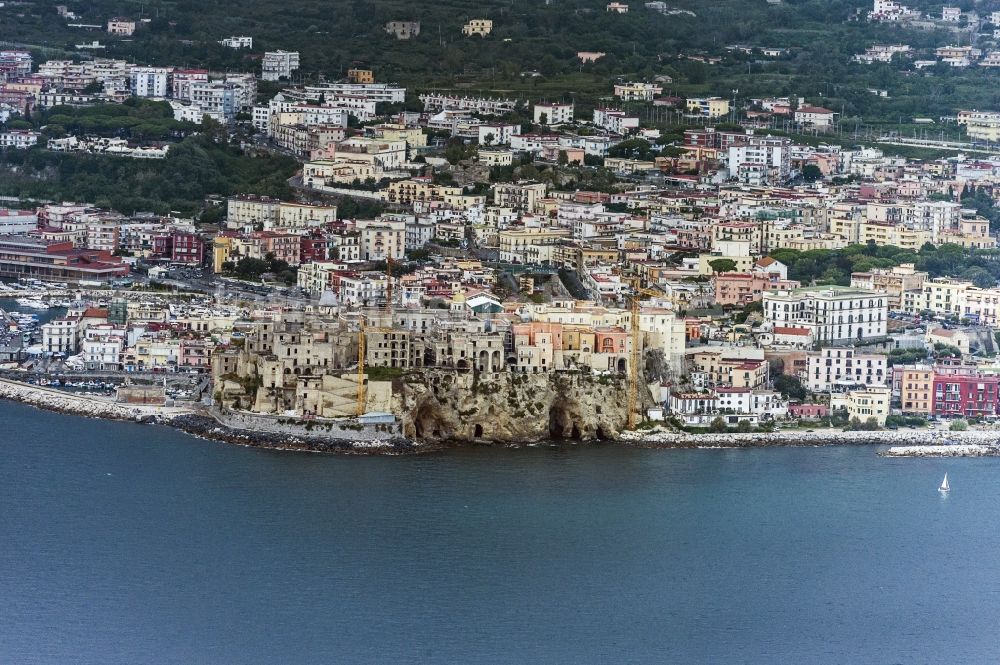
x=122, y=543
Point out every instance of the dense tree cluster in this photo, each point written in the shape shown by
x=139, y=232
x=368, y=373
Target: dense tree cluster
x=823, y=266
x=193, y=169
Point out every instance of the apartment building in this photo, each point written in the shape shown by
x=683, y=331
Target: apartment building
x=840, y=367
x=150, y=81
x=916, y=388
x=521, y=196
x=708, y=107
x=832, y=314
x=278, y=65
x=552, y=114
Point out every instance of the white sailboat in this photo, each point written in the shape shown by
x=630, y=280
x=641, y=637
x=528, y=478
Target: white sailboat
x=945, y=487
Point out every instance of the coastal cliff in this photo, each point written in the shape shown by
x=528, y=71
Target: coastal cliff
x=509, y=407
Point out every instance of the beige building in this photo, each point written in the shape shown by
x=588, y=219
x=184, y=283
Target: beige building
x=479, y=27
x=521, y=196
x=864, y=404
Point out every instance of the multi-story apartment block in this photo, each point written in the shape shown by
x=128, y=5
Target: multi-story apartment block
x=522, y=196
x=615, y=121
x=150, y=81
x=839, y=368
x=14, y=63
x=916, y=388
x=278, y=65
x=708, y=107
x=383, y=238
x=552, y=114
x=181, y=80
x=864, y=404
x=832, y=314
x=761, y=160
x=18, y=138
x=62, y=335
x=216, y=99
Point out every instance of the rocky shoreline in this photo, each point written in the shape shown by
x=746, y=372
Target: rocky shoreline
x=902, y=443
x=208, y=428
x=823, y=437
x=196, y=424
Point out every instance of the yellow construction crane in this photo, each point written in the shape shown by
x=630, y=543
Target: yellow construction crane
x=635, y=354
x=388, y=287
x=361, y=363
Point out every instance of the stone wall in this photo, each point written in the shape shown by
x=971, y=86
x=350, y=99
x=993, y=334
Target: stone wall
x=346, y=429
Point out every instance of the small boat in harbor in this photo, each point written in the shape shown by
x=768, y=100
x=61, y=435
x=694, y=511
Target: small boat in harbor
x=945, y=487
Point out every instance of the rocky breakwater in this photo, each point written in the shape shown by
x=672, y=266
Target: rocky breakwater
x=208, y=427
x=663, y=438
x=506, y=407
x=81, y=405
x=972, y=443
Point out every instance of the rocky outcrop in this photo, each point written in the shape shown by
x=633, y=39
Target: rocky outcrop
x=456, y=405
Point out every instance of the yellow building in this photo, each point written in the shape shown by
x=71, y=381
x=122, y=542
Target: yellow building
x=708, y=107
x=413, y=136
x=222, y=248
x=360, y=76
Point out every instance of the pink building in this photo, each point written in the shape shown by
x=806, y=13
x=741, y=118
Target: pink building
x=807, y=410
x=736, y=288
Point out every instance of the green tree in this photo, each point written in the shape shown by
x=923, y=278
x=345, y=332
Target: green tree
x=811, y=173
x=722, y=265
x=790, y=387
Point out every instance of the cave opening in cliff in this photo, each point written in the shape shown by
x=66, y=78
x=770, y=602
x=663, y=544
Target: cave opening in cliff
x=601, y=436
x=557, y=421
x=478, y=432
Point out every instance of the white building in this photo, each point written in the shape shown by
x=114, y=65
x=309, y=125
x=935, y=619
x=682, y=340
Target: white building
x=833, y=314
x=376, y=92
x=814, y=116
x=278, y=65
x=102, y=348
x=834, y=368
x=496, y=134
x=615, y=121
x=552, y=114
x=216, y=99
x=61, y=336
x=150, y=81
x=18, y=138
x=237, y=42
x=762, y=160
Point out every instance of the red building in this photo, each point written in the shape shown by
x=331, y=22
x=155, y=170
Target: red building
x=314, y=246
x=184, y=248
x=965, y=394
x=188, y=248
